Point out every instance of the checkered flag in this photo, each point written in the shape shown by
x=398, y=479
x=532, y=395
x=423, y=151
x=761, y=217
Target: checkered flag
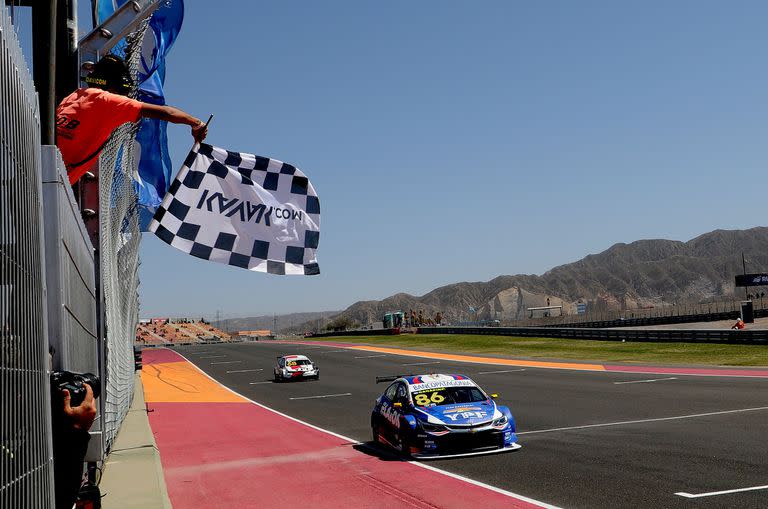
x=243, y=210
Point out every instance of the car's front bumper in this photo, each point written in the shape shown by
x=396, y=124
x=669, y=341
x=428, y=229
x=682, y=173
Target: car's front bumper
x=465, y=443
x=423, y=455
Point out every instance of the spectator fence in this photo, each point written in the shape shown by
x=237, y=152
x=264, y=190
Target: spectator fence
x=52, y=273
x=26, y=467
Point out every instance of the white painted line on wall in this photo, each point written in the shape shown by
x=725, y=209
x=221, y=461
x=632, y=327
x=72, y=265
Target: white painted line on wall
x=645, y=381
x=324, y=396
x=640, y=421
x=244, y=370
x=724, y=492
x=500, y=371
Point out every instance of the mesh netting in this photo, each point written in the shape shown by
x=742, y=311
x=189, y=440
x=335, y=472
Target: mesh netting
x=119, y=238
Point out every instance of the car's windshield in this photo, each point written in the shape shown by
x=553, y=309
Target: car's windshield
x=298, y=362
x=447, y=396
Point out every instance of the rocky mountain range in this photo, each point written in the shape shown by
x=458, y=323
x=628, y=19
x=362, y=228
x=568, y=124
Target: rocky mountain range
x=626, y=276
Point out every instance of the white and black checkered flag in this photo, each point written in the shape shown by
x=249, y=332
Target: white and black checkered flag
x=244, y=210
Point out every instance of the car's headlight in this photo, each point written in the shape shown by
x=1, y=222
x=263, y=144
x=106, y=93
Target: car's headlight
x=500, y=422
x=432, y=428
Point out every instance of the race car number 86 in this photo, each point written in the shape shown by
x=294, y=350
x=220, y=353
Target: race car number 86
x=426, y=399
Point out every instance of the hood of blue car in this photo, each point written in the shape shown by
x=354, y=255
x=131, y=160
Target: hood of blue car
x=466, y=414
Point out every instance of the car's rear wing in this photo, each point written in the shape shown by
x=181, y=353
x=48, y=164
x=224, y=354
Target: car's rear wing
x=391, y=378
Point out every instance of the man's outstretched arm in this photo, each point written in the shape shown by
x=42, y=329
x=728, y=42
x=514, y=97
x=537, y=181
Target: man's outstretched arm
x=176, y=116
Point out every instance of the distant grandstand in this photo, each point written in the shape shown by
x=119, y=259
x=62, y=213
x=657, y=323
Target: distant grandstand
x=159, y=331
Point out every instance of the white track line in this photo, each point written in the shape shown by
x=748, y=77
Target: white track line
x=501, y=371
x=226, y=362
x=257, y=383
x=467, y=480
x=244, y=370
x=640, y=421
x=725, y=492
x=645, y=381
x=211, y=356
x=336, y=351
x=371, y=356
x=324, y=396
x=421, y=363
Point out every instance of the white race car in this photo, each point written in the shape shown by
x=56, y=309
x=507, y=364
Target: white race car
x=295, y=367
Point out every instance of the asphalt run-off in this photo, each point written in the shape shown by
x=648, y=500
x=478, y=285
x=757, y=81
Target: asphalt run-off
x=591, y=438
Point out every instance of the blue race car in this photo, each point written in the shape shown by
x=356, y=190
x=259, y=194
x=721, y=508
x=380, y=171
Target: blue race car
x=439, y=416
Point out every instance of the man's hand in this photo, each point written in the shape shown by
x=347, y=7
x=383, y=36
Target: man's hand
x=199, y=131
x=177, y=116
x=82, y=416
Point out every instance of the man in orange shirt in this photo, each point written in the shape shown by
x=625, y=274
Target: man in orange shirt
x=86, y=118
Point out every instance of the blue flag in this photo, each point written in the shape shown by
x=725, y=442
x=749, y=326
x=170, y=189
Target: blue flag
x=154, y=164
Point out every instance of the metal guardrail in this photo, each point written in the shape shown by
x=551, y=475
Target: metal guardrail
x=366, y=332
x=661, y=320
x=647, y=335
x=679, y=313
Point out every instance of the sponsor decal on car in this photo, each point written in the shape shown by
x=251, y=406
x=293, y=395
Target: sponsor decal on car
x=390, y=414
x=462, y=409
x=441, y=384
x=466, y=415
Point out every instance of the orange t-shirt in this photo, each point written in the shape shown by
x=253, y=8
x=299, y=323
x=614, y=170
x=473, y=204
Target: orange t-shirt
x=84, y=121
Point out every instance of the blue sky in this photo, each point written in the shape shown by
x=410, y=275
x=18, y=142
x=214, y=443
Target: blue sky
x=458, y=141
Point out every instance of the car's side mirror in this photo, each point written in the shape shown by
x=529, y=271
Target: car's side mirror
x=494, y=396
x=397, y=405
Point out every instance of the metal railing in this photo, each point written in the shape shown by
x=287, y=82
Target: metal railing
x=708, y=311
x=61, y=259
x=26, y=465
x=650, y=335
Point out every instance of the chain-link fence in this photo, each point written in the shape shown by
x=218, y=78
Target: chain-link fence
x=669, y=311
x=119, y=238
x=25, y=447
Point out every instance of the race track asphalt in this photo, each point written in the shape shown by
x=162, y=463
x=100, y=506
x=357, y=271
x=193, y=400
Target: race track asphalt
x=604, y=458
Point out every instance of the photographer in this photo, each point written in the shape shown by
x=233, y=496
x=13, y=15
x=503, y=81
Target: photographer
x=70, y=441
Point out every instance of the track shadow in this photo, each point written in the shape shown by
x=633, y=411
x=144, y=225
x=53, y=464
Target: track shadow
x=371, y=448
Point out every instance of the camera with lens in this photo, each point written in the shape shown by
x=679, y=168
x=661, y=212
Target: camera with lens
x=73, y=382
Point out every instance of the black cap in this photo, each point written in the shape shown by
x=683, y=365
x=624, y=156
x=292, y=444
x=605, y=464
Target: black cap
x=111, y=73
